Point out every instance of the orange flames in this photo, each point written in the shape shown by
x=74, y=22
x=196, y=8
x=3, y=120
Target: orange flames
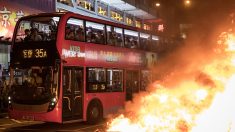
x=202, y=101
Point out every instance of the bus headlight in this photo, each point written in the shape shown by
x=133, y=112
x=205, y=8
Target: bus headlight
x=52, y=104
x=9, y=102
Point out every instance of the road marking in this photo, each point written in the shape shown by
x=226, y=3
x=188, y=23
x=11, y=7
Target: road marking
x=6, y=125
x=17, y=121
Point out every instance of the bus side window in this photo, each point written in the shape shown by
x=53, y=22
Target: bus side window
x=95, y=33
x=90, y=35
x=69, y=33
x=115, y=80
x=127, y=42
x=111, y=35
x=99, y=37
x=74, y=30
x=79, y=34
x=120, y=40
x=131, y=39
x=96, y=80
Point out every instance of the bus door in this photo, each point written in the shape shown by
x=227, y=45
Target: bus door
x=72, y=93
x=132, y=83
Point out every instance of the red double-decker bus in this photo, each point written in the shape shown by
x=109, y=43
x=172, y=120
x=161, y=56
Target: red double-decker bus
x=68, y=67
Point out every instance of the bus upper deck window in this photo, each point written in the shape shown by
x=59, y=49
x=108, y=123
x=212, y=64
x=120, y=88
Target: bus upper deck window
x=40, y=28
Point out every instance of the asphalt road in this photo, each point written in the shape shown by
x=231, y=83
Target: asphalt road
x=11, y=125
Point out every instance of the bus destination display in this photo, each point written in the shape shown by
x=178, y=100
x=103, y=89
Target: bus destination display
x=34, y=53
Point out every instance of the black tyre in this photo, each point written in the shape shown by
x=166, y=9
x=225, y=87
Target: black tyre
x=94, y=112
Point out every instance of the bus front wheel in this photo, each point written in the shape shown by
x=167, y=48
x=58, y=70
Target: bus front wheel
x=94, y=112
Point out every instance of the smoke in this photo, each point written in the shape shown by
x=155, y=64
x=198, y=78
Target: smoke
x=185, y=83
x=185, y=62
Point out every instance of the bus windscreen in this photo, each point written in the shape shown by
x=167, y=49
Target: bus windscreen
x=42, y=28
x=34, y=85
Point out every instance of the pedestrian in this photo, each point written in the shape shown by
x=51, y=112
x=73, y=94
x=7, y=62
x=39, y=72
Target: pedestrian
x=1, y=95
x=4, y=94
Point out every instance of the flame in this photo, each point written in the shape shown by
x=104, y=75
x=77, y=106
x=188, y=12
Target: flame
x=201, y=102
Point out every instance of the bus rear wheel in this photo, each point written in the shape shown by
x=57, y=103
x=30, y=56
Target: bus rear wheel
x=94, y=112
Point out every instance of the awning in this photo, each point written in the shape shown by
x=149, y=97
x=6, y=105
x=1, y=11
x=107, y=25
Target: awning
x=128, y=8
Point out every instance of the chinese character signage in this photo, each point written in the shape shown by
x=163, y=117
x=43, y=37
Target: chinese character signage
x=129, y=20
x=87, y=4
x=138, y=23
x=146, y=26
x=102, y=9
x=9, y=14
x=116, y=15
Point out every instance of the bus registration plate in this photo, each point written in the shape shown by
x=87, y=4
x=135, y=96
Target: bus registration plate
x=28, y=118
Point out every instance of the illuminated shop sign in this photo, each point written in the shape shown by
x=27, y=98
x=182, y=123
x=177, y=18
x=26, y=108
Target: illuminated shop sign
x=160, y=28
x=102, y=9
x=116, y=15
x=10, y=12
x=137, y=23
x=146, y=26
x=129, y=20
x=8, y=19
x=87, y=4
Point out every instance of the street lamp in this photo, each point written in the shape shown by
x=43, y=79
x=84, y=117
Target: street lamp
x=158, y=4
x=187, y=2
x=158, y=8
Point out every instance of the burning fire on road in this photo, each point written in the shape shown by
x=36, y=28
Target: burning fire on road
x=196, y=93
